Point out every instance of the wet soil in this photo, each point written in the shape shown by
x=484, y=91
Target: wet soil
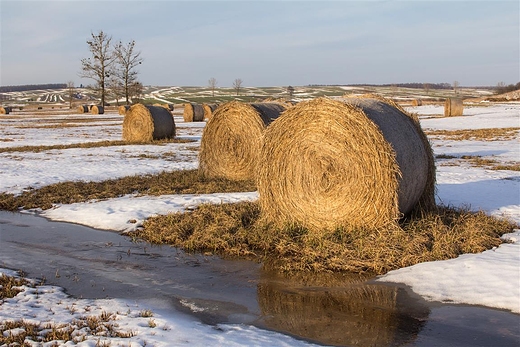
x=326, y=309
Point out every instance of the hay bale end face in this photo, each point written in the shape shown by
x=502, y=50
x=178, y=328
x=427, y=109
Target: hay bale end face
x=147, y=123
x=193, y=112
x=97, y=109
x=83, y=109
x=4, y=110
x=208, y=110
x=123, y=108
x=326, y=164
x=232, y=138
x=453, y=107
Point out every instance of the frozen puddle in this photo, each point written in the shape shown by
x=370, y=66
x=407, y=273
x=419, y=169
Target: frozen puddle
x=329, y=310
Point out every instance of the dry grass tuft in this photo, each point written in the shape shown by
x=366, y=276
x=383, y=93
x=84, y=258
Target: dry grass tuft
x=233, y=230
x=176, y=182
x=493, y=134
x=10, y=286
x=38, y=149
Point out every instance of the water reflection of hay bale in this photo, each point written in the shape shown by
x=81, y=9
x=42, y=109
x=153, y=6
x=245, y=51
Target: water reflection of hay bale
x=354, y=314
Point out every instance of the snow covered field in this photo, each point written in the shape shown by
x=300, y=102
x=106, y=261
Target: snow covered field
x=491, y=278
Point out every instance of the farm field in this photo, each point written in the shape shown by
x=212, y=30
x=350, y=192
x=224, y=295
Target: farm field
x=478, y=167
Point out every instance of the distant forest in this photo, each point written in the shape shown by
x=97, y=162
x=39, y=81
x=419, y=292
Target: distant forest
x=27, y=87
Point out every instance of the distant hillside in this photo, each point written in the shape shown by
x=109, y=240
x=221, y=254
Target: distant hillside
x=26, y=87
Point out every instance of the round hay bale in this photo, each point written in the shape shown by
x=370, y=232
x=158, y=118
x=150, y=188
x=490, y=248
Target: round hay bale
x=4, y=110
x=357, y=163
x=232, y=138
x=83, y=109
x=417, y=102
x=453, y=107
x=97, y=109
x=193, y=112
x=209, y=109
x=123, y=108
x=147, y=123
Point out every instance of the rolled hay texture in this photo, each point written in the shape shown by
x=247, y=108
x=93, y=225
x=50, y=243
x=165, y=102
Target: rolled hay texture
x=453, y=107
x=209, y=109
x=83, y=109
x=232, y=138
x=193, y=112
x=123, y=108
x=97, y=109
x=356, y=163
x=147, y=123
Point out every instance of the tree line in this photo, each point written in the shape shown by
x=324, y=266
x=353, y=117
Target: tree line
x=112, y=67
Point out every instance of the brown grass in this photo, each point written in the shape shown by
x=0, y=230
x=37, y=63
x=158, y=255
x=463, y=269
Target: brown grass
x=478, y=161
x=494, y=134
x=38, y=149
x=10, y=286
x=235, y=230
x=176, y=182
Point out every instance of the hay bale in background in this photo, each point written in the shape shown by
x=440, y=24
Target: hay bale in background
x=232, y=138
x=417, y=102
x=209, y=109
x=326, y=164
x=147, y=123
x=193, y=112
x=5, y=110
x=83, y=109
x=453, y=107
x=97, y=109
x=123, y=108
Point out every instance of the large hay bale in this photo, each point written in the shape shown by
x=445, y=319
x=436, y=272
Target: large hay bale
x=354, y=163
x=232, y=139
x=453, y=107
x=193, y=112
x=97, y=109
x=147, y=123
x=208, y=110
x=123, y=108
x=83, y=109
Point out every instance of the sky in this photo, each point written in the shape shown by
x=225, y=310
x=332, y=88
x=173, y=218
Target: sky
x=268, y=43
x=490, y=278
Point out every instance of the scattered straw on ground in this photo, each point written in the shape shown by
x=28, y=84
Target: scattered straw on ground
x=237, y=230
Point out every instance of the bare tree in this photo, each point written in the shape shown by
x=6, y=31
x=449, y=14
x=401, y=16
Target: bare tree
x=427, y=87
x=70, y=89
x=98, y=67
x=127, y=60
x=135, y=91
x=212, y=83
x=456, y=86
x=290, y=91
x=237, y=84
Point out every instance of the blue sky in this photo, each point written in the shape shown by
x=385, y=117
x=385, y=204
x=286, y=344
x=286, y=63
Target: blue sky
x=269, y=43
